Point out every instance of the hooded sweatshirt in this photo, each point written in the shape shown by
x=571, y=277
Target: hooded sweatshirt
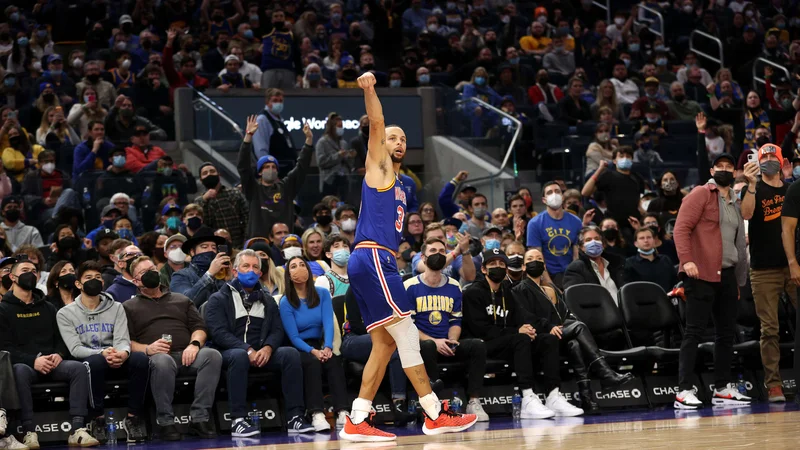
x=122, y=289
x=29, y=330
x=489, y=315
x=88, y=332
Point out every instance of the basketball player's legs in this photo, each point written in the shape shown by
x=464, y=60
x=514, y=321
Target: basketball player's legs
x=383, y=347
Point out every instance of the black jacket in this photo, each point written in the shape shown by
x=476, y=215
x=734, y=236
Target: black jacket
x=546, y=315
x=580, y=270
x=29, y=330
x=220, y=317
x=490, y=315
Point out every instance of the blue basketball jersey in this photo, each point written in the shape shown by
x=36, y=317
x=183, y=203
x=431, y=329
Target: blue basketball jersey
x=382, y=215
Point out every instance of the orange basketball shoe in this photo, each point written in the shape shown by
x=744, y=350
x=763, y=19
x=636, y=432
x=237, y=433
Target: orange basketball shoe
x=364, y=431
x=448, y=422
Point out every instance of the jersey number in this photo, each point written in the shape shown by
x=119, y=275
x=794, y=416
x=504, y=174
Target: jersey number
x=398, y=224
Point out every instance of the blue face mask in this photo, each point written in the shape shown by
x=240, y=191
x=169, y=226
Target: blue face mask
x=125, y=233
x=10, y=81
x=424, y=78
x=652, y=119
x=796, y=172
x=625, y=163
x=14, y=17
x=313, y=76
x=108, y=224
x=593, y=248
x=491, y=244
x=341, y=256
x=514, y=61
x=277, y=108
x=248, y=279
x=645, y=145
x=660, y=48
x=56, y=72
x=339, y=131
x=395, y=83
x=119, y=161
x=563, y=31
x=203, y=260
x=41, y=34
x=173, y=223
x=627, y=62
x=480, y=81
x=634, y=47
x=23, y=41
x=248, y=34
x=254, y=18
x=661, y=61
x=167, y=171
x=647, y=252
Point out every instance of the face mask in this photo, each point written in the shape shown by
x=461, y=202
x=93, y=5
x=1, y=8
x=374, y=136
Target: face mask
x=424, y=78
x=125, y=233
x=313, y=76
x=679, y=98
x=480, y=211
x=291, y=252
x=669, y=186
x=173, y=223
x=254, y=18
x=634, y=47
x=624, y=163
x=56, y=72
x=436, y=261
x=14, y=141
x=118, y=161
x=77, y=63
x=762, y=141
x=349, y=225
x=593, y=248
x=176, y=256
x=723, y=178
x=151, y=279
x=645, y=145
x=67, y=281
x=339, y=131
x=515, y=263
x=7, y=282
x=248, y=34
x=619, y=21
x=93, y=78
x=48, y=98
x=10, y=82
x=210, y=182
x=12, y=215
x=603, y=137
x=167, y=171
x=395, y=83
x=126, y=64
x=534, y=269
x=203, y=260
x=611, y=234
x=654, y=227
x=126, y=113
x=93, y=287
x=324, y=220
x=406, y=255
x=496, y=274
x=645, y=205
x=23, y=41
x=67, y=243
x=770, y=167
x=646, y=252
x=749, y=13
x=652, y=119
x=627, y=62
x=491, y=244
x=269, y=175
x=661, y=61
x=554, y=201
x=194, y=223
x=37, y=66
x=451, y=5
x=336, y=17
x=299, y=276
x=120, y=45
x=277, y=108
x=786, y=103
x=433, y=27
x=27, y=281
x=452, y=240
x=796, y=172
x=248, y=279
x=340, y=257
x=688, y=9
x=480, y=81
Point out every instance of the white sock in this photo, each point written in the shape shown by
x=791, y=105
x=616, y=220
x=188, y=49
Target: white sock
x=430, y=403
x=527, y=392
x=360, y=410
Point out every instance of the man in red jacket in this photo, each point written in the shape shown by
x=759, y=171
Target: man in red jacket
x=709, y=236
x=188, y=74
x=141, y=153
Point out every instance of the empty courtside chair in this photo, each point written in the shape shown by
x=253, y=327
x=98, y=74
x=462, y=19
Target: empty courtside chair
x=647, y=310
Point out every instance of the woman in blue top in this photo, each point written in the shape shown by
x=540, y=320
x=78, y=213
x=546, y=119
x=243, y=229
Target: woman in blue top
x=479, y=87
x=307, y=316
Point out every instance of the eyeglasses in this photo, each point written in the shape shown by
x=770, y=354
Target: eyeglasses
x=126, y=256
x=141, y=133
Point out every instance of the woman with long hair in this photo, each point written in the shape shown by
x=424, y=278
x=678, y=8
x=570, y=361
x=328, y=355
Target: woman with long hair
x=427, y=211
x=53, y=122
x=312, y=77
x=61, y=286
x=478, y=87
x=21, y=54
x=88, y=109
x=414, y=228
x=669, y=197
x=20, y=155
x=307, y=316
x=600, y=149
x=614, y=241
x=334, y=158
x=41, y=44
x=607, y=96
x=272, y=277
x=313, y=246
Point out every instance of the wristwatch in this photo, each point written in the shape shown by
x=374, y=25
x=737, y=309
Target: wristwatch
x=250, y=352
x=196, y=343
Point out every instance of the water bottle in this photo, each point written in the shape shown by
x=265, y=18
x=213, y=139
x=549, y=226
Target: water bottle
x=516, y=405
x=456, y=403
x=87, y=198
x=255, y=417
x=111, y=429
x=412, y=411
x=146, y=195
x=741, y=385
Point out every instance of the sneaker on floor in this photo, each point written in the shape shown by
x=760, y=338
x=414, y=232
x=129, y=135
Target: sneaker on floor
x=687, y=400
x=135, y=429
x=299, y=424
x=31, y=440
x=474, y=407
x=82, y=438
x=559, y=405
x=11, y=443
x=532, y=408
x=776, y=395
x=98, y=428
x=448, y=422
x=364, y=431
x=203, y=430
x=320, y=422
x=3, y=421
x=242, y=428
x=730, y=396
x=341, y=419
x=169, y=433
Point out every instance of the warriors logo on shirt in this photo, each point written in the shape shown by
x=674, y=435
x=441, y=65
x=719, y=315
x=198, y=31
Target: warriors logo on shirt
x=559, y=241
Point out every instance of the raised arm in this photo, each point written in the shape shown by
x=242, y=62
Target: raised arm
x=377, y=127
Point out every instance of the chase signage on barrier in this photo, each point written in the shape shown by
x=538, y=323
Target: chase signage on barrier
x=629, y=395
x=661, y=390
x=56, y=426
x=750, y=381
x=268, y=409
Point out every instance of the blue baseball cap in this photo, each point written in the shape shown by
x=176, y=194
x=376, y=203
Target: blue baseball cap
x=170, y=207
x=290, y=238
x=54, y=57
x=44, y=86
x=266, y=159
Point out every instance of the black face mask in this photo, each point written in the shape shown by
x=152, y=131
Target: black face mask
x=436, y=261
x=7, y=282
x=655, y=229
x=127, y=28
x=67, y=243
x=217, y=17
x=194, y=223
x=151, y=279
x=264, y=264
x=93, y=287
x=27, y=281
x=534, y=269
x=12, y=215
x=367, y=67
x=723, y=178
x=210, y=182
x=324, y=220
x=406, y=255
x=497, y=274
x=365, y=131
x=67, y=282
x=762, y=140
x=223, y=45
x=147, y=44
x=48, y=98
x=14, y=141
x=93, y=78
x=611, y=234
x=279, y=25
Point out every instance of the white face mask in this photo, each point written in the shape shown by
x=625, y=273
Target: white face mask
x=619, y=21
x=48, y=168
x=554, y=200
x=349, y=225
x=715, y=146
x=176, y=256
x=77, y=63
x=291, y=252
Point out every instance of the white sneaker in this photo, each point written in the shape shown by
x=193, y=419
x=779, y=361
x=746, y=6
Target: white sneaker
x=559, y=405
x=3, y=421
x=532, y=408
x=319, y=422
x=11, y=443
x=31, y=440
x=730, y=396
x=687, y=400
x=341, y=419
x=474, y=407
x=82, y=438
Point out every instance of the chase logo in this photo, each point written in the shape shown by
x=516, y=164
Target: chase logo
x=636, y=393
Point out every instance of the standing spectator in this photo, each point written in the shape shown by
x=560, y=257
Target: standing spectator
x=560, y=61
x=709, y=235
x=153, y=313
x=607, y=97
x=573, y=109
x=94, y=153
x=270, y=197
x=122, y=123
x=249, y=71
x=336, y=280
x=86, y=109
x=208, y=270
x=280, y=58
x=104, y=90
x=142, y=153
x=544, y=93
x=647, y=265
x=17, y=233
x=223, y=207
x=479, y=209
x=152, y=95
x=334, y=159
x=40, y=355
x=272, y=137
x=415, y=18
x=188, y=70
x=554, y=233
x=762, y=203
x=621, y=188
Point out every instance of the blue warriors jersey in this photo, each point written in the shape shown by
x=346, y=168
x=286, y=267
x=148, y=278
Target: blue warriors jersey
x=436, y=308
x=278, y=47
x=382, y=214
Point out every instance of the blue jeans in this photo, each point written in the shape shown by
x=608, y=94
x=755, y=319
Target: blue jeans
x=358, y=347
x=285, y=360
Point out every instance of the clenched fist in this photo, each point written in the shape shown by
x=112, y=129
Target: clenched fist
x=366, y=81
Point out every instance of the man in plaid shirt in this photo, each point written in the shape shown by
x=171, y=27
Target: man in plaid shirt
x=223, y=207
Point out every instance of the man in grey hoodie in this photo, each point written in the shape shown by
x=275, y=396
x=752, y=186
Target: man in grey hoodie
x=95, y=331
x=17, y=233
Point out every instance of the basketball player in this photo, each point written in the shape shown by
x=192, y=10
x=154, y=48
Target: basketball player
x=378, y=286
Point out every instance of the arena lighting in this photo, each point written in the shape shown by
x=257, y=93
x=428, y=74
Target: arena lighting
x=566, y=150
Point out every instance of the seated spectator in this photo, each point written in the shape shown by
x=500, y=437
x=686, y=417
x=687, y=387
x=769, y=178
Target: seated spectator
x=336, y=281
x=94, y=153
x=40, y=355
x=644, y=153
x=536, y=43
x=230, y=77
x=142, y=153
x=21, y=154
x=86, y=109
x=249, y=71
x=36, y=257
x=46, y=190
x=17, y=233
x=307, y=315
x=123, y=288
x=95, y=331
x=607, y=97
x=478, y=87
x=722, y=76
x=61, y=288
x=208, y=270
x=123, y=226
x=66, y=247
x=559, y=61
x=188, y=70
x=191, y=220
x=122, y=123
x=271, y=275
x=106, y=93
x=312, y=244
x=600, y=149
x=154, y=313
x=54, y=124
x=595, y=265
x=12, y=92
x=121, y=76
x=615, y=242
x=627, y=90
x=347, y=74
x=323, y=220
x=46, y=98
x=176, y=259
x=276, y=234
x=573, y=109
x=689, y=62
x=680, y=108
x=507, y=86
x=439, y=324
x=312, y=78
x=543, y=93
x=651, y=97
x=5, y=273
x=648, y=265
x=662, y=245
x=105, y=248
